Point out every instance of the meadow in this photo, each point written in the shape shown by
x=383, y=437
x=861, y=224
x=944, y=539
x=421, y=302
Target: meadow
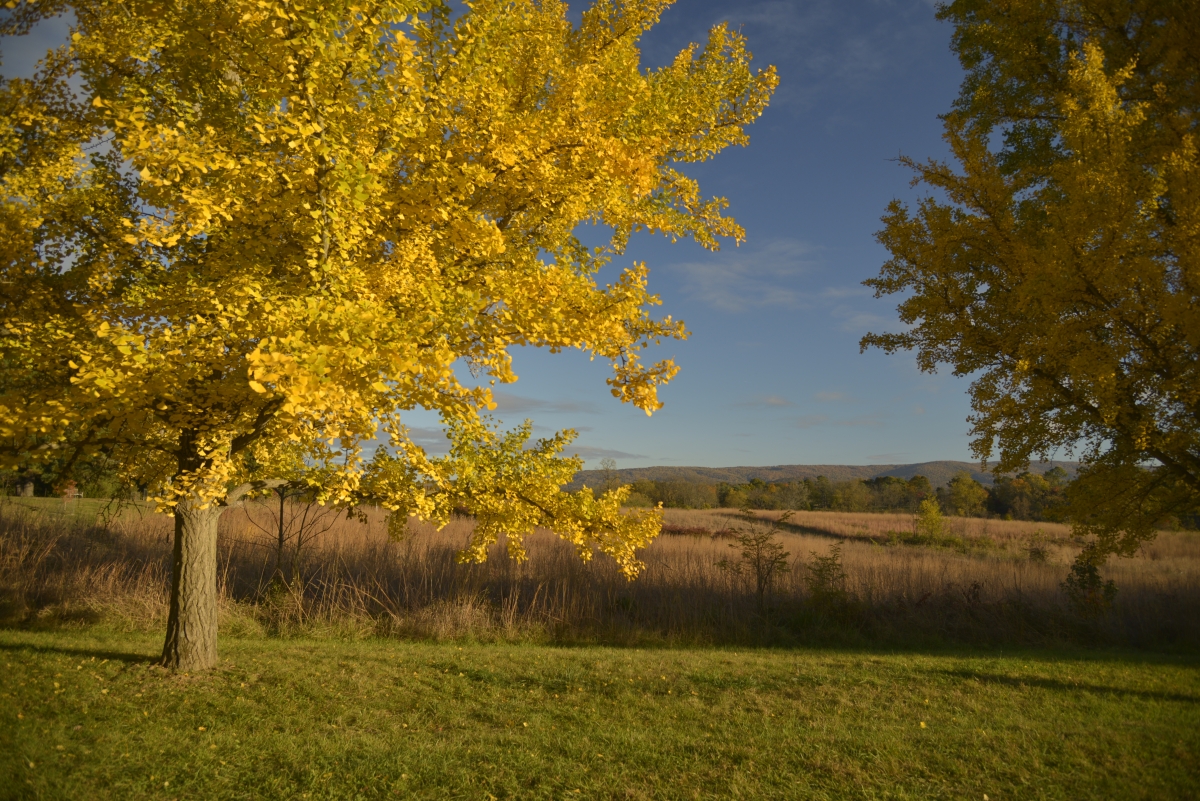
x=985, y=582
x=362, y=667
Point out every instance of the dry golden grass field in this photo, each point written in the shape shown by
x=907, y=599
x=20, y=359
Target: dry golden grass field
x=983, y=582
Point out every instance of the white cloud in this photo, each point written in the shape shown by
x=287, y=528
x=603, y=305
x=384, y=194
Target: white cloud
x=866, y=420
x=851, y=291
x=766, y=400
x=862, y=321
x=744, y=279
x=508, y=402
x=813, y=420
x=432, y=439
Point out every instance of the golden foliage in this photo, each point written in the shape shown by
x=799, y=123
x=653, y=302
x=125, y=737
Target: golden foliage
x=268, y=228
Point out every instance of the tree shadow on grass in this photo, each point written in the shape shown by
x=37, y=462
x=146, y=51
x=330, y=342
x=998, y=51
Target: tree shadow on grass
x=99, y=653
x=1065, y=686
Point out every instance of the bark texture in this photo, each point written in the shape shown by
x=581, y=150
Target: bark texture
x=192, y=624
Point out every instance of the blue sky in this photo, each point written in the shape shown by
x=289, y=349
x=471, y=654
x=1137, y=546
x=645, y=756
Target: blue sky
x=772, y=372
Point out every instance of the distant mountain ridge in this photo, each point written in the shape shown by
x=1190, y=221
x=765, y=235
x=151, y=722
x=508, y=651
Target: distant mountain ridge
x=938, y=473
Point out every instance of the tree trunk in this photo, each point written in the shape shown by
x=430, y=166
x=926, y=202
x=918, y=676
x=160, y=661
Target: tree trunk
x=282, y=493
x=192, y=624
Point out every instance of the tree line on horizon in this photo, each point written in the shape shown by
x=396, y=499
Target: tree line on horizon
x=1025, y=496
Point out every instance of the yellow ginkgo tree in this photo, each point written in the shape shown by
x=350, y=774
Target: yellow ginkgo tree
x=241, y=238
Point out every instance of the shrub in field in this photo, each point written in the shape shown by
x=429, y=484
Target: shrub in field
x=762, y=558
x=929, y=529
x=827, y=579
x=1038, y=549
x=1088, y=592
x=931, y=541
x=929, y=522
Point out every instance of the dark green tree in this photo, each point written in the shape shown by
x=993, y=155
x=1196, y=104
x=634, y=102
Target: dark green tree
x=1057, y=262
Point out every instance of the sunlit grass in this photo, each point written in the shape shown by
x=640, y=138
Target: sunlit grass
x=86, y=715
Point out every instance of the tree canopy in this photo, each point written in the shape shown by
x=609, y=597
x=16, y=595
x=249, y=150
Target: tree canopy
x=1058, y=265
x=241, y=239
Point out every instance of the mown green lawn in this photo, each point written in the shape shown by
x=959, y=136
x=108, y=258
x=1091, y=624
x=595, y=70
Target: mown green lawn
x=85, y=714
x=76, y=510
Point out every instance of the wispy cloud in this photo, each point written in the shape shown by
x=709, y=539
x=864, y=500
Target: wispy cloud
x=508, y=402
x=432, y=439
x=866, y=420
x=541, y=429
x=828, y=397
x=813, y=420
x=782, y=274
x=850, y=291
x=766, y=400
x=744, y=279
x=833, y=51
x=824, y=49
x=589, y=453
x=861, y=321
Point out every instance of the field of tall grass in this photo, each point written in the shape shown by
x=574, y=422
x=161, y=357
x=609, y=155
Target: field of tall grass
x=983, y=582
